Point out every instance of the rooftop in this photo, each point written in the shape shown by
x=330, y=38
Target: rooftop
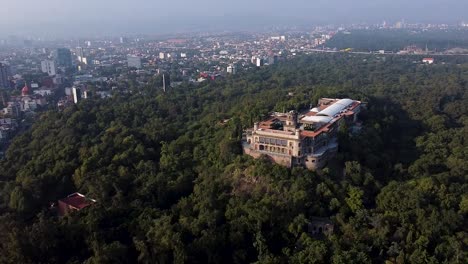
x=77, y=200
x=313, y=122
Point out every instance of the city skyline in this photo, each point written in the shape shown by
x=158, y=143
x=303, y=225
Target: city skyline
x=27, y=17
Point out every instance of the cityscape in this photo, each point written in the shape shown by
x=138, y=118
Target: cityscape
x=234, y=132
x=37, y=74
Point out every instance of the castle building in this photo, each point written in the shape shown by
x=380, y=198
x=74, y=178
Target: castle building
x=308, y=139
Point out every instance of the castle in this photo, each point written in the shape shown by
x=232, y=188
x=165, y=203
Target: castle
x=309, y=139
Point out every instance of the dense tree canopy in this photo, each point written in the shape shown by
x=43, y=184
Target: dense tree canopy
x=172, y=185
x=398, y=39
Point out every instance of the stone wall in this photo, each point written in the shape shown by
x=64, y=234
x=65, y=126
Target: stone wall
x=283, y=160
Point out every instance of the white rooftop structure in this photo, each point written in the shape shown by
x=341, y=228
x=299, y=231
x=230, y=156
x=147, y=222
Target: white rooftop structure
x=336, y=108
x=317, y=119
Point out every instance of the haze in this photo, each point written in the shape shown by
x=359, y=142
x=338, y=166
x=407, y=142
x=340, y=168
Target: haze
x=106, y=17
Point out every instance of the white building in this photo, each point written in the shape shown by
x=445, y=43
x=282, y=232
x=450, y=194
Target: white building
x=259, y=62
x=428, y=60
x=79, y=53
x=231, y=69
x=76, y=94
x=12, y=109
x=43, y=91
x=28, y=104
x=48, y=66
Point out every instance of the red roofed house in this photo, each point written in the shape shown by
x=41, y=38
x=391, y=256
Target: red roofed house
x=428, y=60
x=25, y=90
x=73, y=202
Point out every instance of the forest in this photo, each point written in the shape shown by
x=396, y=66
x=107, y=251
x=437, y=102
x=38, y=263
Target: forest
x=172, y=185
x=397, y=39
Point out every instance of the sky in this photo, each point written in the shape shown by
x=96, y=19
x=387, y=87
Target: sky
x=108, y=17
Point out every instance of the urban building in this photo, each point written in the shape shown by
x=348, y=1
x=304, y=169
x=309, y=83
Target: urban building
x=80, y=56
x=308, y=139
x=87, y=94
x=8, y=126
x=134, y=61
x=166, y=81
x=428, y=60
x=4, y=76
x=12, y=109
x=231, y=69
x=259, y=62
x=48, y=66
x=25, y=90
x=63, y=57
x=272, y=60
x=76, y=94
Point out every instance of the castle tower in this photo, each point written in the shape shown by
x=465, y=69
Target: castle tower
x=291, y=121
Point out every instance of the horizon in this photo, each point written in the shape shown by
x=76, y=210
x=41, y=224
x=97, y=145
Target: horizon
x=123, y=17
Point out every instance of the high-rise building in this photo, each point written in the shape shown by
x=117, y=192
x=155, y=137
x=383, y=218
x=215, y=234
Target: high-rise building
x=48, y=66
x=123, y=40
x=259, y=62
x=4, y=72
x=166, y=81
x=162, y=55
x=272, y=60
x=76, y=94
x=253, y=59
x=79, y=54
x=87, y=94
x=134, y=61
x=63, y=57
